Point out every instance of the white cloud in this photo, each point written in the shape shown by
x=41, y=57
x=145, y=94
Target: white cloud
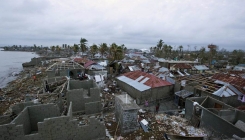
x=137, y=23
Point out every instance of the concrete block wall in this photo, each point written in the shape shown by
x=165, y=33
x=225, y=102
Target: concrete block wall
x=217, y=125
x=55, y=79
x=40, y=112
x=69, y=113
x=50, y=74
x=93, y=107
x=5, y=119
x=150, y=95
x=76, y=84
x=23, y=119
x=240, y=115
x=17, y=108
x=228, y=115
x=11, y=132
x=81, y=93
x=126, y=115
x=77, y=98
x=94, y=93
x=55, y=128
x=213, y=123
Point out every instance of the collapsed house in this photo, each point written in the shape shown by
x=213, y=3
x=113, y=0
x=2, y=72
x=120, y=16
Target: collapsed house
x=65, y=68
x=144, y=86
x=85, y=96
x=216, y=117
x=41, y=122
x=221, y=88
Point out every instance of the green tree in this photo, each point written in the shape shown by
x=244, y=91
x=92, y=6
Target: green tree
x=103, y=49
x=116, y=52
x=83, y=45
x=53, y=48
x=75, y=48
x=159, y=48
x=93, y=49
x=181, y=51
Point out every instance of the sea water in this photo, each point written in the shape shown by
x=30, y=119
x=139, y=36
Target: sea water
x=11, y=64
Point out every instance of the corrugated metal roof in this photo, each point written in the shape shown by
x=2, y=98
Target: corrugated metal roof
x=135, y=84
x=153, y=81
x=89, y=63
x=201, y=67
x=236, y=81
x=163, y=69
x=227, y=91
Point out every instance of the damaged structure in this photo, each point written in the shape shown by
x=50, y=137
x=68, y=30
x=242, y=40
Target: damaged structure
x=216, y=117
x=85, y=96
x=41, y=122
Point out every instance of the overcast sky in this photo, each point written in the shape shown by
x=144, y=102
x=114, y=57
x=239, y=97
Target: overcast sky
x=135, y=23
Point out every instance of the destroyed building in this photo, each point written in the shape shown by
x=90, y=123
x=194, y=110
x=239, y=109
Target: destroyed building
x=216, y=117
x=221, y=88
x=65, y=68
x=85, y=96
x=144, y=86
x=41, y=122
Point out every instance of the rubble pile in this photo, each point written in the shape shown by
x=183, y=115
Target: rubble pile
x=177, y=126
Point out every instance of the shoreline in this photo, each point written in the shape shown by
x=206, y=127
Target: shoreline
x=17, y=73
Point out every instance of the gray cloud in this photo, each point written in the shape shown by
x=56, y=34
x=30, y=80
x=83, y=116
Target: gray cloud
x=138, y=23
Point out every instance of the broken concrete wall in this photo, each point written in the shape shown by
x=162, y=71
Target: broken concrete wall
x=56, y=128
x=216, y=124
x=17, y=108
x=50, y=74
x=11, y=132
x=210, y=121
x=40, y=112
x=232, y=100
x=76, y=84
x=93, y=107
x=23, y=119
x=189, y=105
x=62, y=128
x=55, y=79
x=5, y=119
x=69, y=113
x=240, y=115
x=79, y=97
x=228, y=115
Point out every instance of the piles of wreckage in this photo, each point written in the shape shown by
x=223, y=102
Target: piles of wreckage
x=53, y=84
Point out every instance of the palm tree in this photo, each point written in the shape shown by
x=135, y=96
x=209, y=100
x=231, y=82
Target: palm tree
x=93, y=49
x=169, y=50
x=116, y=52
x=103, y=49
x=83, y=46
x=181, y=50
x=202, y=54
x=159, y=48
x=53, y=48
x=75, y=48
